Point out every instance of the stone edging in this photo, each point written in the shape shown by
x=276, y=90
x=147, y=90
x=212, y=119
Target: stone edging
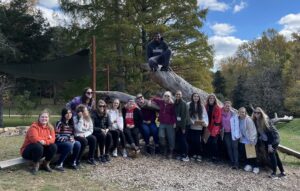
x=13, y=131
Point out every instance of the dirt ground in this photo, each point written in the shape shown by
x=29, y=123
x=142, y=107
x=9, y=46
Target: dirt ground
x=158, y=173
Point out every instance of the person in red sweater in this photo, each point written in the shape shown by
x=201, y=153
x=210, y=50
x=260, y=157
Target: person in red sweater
x=214, y=113
x=39, y=143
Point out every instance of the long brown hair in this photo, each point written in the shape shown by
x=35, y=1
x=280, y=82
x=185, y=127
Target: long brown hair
x=263, y=121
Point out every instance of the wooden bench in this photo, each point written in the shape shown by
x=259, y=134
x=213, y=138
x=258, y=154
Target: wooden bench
x=12, y=162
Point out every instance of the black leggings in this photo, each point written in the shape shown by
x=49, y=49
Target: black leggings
x=84, y=141
x=36, y=151
x=132, y=135
x=274, y=158
x=104, y=140
x=212, y=143
x=194, y=141
x=116, y=134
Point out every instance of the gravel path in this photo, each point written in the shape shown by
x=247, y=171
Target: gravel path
x=157, y=173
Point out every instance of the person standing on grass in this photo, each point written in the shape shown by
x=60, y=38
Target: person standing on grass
x=102, y=124
x=158, y=53
x=117, y=128
x=167, y=120
x=83, y=133
x=86, y=99
x=270, y=137
x=149, y=127
x=39, y=143
x=181, y=123
x=198, y=121
x=248, y=137
x=230, y=127
x=132, y=123
x=65, y=140
x=214, y=126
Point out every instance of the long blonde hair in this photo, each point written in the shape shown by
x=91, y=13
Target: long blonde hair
x=48, y=113
x=263, y=121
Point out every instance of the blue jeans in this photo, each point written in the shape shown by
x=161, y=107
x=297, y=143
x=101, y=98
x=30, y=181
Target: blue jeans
x=148, y=130
x=168, y=131
x=64, y=148
x=232, y=149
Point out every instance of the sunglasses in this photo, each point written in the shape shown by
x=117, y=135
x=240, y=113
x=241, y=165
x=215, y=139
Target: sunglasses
x=139, y=97
x=101, y=106
x=89, y=92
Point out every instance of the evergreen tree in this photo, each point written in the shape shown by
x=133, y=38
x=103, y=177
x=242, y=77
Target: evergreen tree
x=123, y=29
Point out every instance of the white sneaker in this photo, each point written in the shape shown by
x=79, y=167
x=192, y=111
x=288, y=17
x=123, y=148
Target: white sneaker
x=115, y=153
x=185, y=159
x=248, y=168
x=124, y=153
x=199, y=158
x=255, y=170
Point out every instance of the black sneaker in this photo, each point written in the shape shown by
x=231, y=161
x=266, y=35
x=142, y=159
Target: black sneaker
x=164, y=69
x=103, y=159
x=91, y=161
x=148, y=149
x=282, y=175
x=107, y=157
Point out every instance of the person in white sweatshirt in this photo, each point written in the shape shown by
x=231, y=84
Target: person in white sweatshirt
x=117, y=128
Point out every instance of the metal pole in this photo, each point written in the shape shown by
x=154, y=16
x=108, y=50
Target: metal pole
x=94, y=68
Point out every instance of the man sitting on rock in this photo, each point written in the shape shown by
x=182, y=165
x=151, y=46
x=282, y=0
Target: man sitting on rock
x=158, y=53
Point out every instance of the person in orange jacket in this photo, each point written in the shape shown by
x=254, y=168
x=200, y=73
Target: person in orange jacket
x=214, y=126
x=39, y=143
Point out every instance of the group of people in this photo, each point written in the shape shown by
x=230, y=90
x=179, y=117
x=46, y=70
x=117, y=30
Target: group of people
x=178, y=129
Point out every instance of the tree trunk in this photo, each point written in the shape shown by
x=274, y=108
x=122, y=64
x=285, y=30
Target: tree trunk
x=1, y=110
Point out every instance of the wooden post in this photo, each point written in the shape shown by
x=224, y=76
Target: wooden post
x=107, y=70
x=94, y=67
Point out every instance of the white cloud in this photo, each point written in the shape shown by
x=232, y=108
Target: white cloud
x=222, y=29
x=213, y=5
x=291, y=24
x=49, y=3
x=224, y=46
x=238, y=8
x=54, y=17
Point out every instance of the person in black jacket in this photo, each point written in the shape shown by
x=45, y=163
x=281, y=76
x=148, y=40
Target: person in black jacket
x=132, y=123
x=270, y=137
x=102, y=124
x=158, y=53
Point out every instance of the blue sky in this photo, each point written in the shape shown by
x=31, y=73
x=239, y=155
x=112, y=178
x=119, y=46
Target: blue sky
x=229, y=23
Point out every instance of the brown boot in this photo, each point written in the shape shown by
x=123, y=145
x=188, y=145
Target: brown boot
x=35, y=168
x=46, y=166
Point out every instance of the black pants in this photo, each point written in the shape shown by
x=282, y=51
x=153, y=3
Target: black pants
x=84, y=141
x=243, y=157
x=116, y=135
x=132, y=135
x=194, y=142
x=36, y=151
x=182, y=143
x=274, y=158
x=103, y=141
x=213, y=147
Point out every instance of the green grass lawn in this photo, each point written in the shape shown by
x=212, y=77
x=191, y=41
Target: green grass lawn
x=18, y=121
x=290, y=134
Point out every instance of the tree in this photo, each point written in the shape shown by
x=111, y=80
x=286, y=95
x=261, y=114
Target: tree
x=123, y=29
x=5, y=84
x=219, y=83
